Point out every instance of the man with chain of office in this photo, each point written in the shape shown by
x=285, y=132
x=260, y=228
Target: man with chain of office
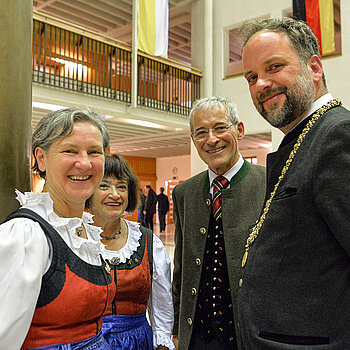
x=294, y=291
x=213, y=211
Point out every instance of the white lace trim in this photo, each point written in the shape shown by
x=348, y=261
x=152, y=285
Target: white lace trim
x=122, y=255
x=42, y=204
x=160, y=338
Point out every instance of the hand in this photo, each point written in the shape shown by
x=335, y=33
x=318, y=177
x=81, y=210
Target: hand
x=175, y=341
x=162, y=347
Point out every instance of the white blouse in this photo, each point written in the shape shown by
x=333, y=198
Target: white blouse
x=26, y=256
x=160, y=303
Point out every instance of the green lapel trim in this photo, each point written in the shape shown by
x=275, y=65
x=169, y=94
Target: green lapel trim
x=238, y=177
x=242, y=173
x=206, y=182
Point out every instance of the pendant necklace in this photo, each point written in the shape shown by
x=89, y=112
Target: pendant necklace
x=113, y=237
x=78, y=231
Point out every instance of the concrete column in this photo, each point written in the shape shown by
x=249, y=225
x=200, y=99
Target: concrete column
x=202, y=57
x=134, y=65
x=197, y=165
x=202, y=42
x=277, y=137
x=15, y=100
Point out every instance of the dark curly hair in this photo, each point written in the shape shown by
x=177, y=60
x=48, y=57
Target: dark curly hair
x=117, y=167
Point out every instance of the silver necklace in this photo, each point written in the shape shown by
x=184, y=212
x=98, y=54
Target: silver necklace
x=57, y=212
x=113, y=237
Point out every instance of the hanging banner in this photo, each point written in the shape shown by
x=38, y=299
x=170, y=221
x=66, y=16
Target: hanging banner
x=153, y=27
x=319, y=16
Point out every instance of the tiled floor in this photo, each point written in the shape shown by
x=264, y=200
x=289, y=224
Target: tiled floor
x=167, y=238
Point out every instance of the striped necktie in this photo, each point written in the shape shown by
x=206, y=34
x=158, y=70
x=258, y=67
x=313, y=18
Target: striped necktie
x=219, y=183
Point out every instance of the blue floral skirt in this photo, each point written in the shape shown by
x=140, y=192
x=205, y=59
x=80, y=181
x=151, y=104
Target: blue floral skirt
x=95, y=343
x=123, y=332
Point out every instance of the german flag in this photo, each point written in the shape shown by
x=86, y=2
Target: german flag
x=319, y=16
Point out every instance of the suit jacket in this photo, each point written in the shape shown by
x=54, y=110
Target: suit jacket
x=151, y=202
x=163, y=203
x=295, y=289
x=241, y=205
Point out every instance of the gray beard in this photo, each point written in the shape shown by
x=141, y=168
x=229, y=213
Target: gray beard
x=299, y=99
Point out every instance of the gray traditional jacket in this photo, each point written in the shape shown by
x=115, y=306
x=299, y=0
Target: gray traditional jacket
x=295, y=289
x=241, y=205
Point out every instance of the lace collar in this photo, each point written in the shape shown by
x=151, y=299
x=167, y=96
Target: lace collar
x=42, y=204
x=122, y=255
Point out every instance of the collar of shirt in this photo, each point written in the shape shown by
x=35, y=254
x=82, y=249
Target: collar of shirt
x=229, y=174
x=316, y=105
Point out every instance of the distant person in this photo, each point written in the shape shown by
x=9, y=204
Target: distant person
x=210, y=233
x=150, y=207
x=141, y=208
x=163, y=208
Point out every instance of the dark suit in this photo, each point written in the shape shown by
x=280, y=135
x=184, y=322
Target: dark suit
x=241, y=205
x=163, y=208
x=295, y=291
x=140, y=209
x=150, y=208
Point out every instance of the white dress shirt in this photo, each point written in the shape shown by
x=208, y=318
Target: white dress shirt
x=228, y=175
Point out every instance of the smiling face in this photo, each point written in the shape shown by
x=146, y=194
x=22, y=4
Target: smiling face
x=109, y=201
x=74, y=166
x=219, y=152
x=282, y=88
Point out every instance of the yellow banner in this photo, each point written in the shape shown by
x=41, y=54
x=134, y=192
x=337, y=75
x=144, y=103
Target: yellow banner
x=147, y=26
x=327, y=26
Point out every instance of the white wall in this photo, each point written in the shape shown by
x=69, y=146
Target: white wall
x=231, y=14
x=165, y=169
x=259, y=153
x=337, y=68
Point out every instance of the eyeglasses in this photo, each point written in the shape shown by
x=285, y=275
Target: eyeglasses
x=203, y=134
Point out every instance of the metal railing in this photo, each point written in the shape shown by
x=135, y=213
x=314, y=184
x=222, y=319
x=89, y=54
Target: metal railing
x=72, y=60
x=166, y=87
x=76, y=62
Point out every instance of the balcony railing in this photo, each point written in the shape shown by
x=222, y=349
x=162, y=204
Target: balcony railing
x=71, y=60
x=166, y=87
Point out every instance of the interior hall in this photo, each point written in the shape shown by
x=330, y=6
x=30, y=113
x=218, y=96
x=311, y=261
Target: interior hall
x=80, y=53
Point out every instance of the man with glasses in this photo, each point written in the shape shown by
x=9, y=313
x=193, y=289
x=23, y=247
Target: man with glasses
x=213, y=212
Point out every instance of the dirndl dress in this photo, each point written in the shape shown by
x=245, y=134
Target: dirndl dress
x=97, y=342
x=124, y=332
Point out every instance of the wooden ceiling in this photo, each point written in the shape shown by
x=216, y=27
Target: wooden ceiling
x=113, y=18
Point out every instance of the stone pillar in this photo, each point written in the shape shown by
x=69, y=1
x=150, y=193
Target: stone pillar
x=202, y=58
x=15, y=100
x=134, y=56
x=277, y=137
x=202, y=42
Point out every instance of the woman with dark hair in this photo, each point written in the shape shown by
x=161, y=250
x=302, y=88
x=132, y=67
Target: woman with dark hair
x=140, y=265
x=54, y=284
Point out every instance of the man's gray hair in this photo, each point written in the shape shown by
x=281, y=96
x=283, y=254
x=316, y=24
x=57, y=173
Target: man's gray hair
x=59, y=124
x=215, y=102
x=301, y=37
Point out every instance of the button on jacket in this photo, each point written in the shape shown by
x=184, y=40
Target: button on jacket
x=241, y=206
